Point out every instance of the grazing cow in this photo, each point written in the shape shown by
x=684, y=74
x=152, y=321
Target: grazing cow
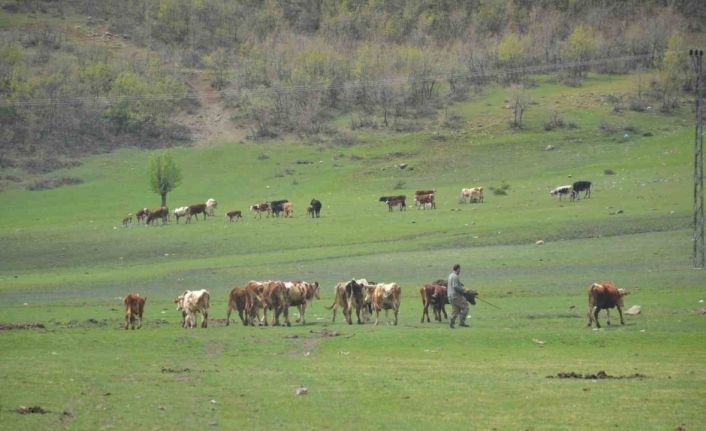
x=234, y=215
x=141, y=214
x=127, y=220
x=194, y=211
x=425, y=201
x=180, y=212
x=386, y=296
x=157, y=213
x=315, y=207
x=134, y=306
x=348, y=295
x=211, y=205
x=580, y=186
x=288, y=209
x=245, y=300
x=393, y=201
x=190, y=303
x=258, y=209
x=601, y=296
x=561, y=191
x=275, y=297
x=472, y=194
x=302, y=293
x=422, y=193
x=435, y=295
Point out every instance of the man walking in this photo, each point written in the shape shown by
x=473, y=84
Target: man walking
x=459, y=305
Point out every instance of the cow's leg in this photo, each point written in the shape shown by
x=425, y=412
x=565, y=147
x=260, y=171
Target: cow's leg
x=140, y=317
x=230, y=309
x=397, y=311
x=377, y=316
x=286, y=314
x=204, y=324
x=607, y=313
x=620, y=312
x=425, y=311
x=127, y=319
x=302, y=310
x=333, y=318
x=595, y=316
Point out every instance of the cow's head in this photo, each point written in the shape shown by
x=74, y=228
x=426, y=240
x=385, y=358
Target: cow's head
x=179, y=301
x=470, y=296
x=315, y=285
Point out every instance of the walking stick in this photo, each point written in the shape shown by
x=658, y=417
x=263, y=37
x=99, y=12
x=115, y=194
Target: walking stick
x=489, y=303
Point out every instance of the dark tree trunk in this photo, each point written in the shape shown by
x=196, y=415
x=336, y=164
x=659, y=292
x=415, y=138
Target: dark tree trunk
x=164, y=199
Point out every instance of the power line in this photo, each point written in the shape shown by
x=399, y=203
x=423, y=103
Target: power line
x=109, y=100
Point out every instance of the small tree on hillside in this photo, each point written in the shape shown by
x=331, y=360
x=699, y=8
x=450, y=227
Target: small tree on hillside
x=164, y=175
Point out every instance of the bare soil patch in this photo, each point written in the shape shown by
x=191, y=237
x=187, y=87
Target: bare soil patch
x=28, y=325
x=601, y=375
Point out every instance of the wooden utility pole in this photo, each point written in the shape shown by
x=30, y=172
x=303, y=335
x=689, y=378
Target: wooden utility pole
x=697, y=56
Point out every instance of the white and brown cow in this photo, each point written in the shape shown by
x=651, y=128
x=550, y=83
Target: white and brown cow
x=190, y=303
x=275, y=297
x=562, y=191
x=386, y=296
x=472, y=194
x=302, y=293
x=348, y=295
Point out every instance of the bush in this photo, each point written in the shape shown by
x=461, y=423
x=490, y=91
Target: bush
x=609, y=172
x=607, y=127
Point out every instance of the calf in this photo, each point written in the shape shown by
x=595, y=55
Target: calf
x=386, y=296
x=134, y=306
x=234, y=215
x=435, y=295
x=393, y=201
x=245, y=300
x=190, y=303
x=580, y=186
x=127, y=220
x=288, y=209
x=604, y=296
x=258, y=209
x=561, y=191
x=141, y=214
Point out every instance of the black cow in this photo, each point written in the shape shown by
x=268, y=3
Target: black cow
x=314, y=208
x=277, y=206
x=581, y=186
x=393, y=201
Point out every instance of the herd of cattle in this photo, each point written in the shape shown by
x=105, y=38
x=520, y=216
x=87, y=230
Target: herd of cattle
x=423, y=199
x=361, y=297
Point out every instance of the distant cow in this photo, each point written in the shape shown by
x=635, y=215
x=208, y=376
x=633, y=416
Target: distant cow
x=386, y=296
x=347, y=296
x=300, y=294
x=234, y=215
x=561, y=191
x=127, y=220
x=425, y=201
x=141, y=214
x=134, y=306
x=277, y=206
x=190, y=303
x=275, y=297
x=393, y=201
x=180, y=212
x=601, y=296
x=157, y=213
x=422, y=193
x=211, y=205
x=314, y=208
x=258, y=209
x=472, y=194
x=194, y=211
x=288, y=209
x=581, y=186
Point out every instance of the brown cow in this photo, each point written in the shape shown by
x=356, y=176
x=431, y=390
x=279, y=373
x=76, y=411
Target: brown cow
x=141, y=214
x=194, y=210
x=245, y=300
x=601, y=296
x=127, y=220
x=348, y=295
x=275, y=297
x=435, y=295
x=302, y=293
x=386, y=296
x=157, y=213
x=261, y=208
x=134, y=306
x=425, y=201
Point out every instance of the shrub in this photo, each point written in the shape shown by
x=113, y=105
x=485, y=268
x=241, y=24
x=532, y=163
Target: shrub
x=53, y=183
x=609, y=172
x=399, y=185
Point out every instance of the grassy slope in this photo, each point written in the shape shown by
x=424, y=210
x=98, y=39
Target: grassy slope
x=66, y=256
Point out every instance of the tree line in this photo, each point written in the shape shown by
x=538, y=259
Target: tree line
x=288, y=66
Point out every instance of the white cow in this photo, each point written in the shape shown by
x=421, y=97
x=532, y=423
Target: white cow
x=180, y=212
x=472, y=193
x=211, y=205
x=561, y=190
x=190, y=303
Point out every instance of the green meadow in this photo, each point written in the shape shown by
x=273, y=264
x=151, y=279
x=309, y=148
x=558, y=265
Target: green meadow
x=66, y=262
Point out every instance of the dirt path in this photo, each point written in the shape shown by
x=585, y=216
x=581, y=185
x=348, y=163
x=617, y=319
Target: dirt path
x=211, y=121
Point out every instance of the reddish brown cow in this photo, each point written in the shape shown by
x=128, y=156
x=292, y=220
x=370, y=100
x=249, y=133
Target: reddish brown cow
x=141, y=214
x=194, y=210
x=261, y=208
x=425, y=199
x=275, y=297
x=601, y=296
x=436, y=296
x=134, y=306
x=245, y=300
x=234, y=215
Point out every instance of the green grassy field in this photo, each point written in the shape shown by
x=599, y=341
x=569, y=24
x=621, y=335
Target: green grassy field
x=66, y=262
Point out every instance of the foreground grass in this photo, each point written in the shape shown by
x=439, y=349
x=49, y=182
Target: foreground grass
x=66, y=262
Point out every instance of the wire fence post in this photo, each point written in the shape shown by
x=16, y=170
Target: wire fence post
x=697, y=56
